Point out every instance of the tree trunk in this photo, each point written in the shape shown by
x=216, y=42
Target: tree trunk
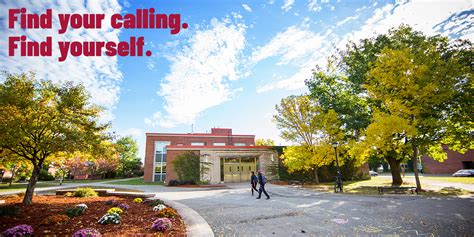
x=395, y=170
x=316, y=179
x=11, y=178
x=28, y=199
x=414, y=159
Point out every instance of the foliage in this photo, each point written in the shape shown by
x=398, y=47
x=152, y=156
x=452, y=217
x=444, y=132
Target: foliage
x=187, y=166
x=264, y=142
x=154, y=202
x=137, y=200
x=69, y=194
x=18, y=167
x=123, y=206
x=115, y=210
x=56, y=219
x=167, y=212
x=111, y=202
x=129, y=162
x=88, y=232
x=174, y=182
x=72, y=212
x=159, y=207
x=44, y=175
x=162, y=224
x=19, y=230
x=9, y=210
x=39, y=119
x=113, y=218
x=85, y=192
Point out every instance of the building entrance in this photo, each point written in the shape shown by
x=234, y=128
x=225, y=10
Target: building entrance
x=237, y=169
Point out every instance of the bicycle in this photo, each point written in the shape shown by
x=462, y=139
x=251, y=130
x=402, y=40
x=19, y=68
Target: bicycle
x=338, y=184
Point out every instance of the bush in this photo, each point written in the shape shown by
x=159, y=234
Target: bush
x=111, y=202
x=85, y=192
x=159, y=207
x=167, y=212
x=72, y=212
x=69, y=194
x=182, y=182
x=155, y=202
x=173, y=182
x=55, y=220
x=19, y=230
x=9, y=210
x=187, y=166
x=88, y=232
x=123, y=206
x=113, y=218
x=161, y=224
x=115, y=210
x=44, y=175
x=137, y=200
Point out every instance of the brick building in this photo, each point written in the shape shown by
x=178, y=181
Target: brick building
x=455, y=162
x=231, y=157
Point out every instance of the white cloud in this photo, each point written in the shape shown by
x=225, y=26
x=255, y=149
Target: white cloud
x=150, y=64
x=100, y=75
x=247, y=7
x=200, y=73
x=350, y=18
x=288, y=5
x=314, y=6
x=297, y=45
x=134, y=132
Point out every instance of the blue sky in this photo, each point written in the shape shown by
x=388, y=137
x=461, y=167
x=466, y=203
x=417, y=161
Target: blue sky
x=231, y=66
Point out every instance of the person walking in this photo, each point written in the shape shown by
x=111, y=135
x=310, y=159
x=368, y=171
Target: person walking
x=253, y=182
x=262, y=180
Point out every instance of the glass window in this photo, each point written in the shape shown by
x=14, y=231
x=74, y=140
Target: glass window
x=239, y=144
x=197, y=143
x=164, y=158
x=219, y=144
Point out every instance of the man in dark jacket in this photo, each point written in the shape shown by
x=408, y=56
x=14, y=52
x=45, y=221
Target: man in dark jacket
x=253, y=182
x=262, y=181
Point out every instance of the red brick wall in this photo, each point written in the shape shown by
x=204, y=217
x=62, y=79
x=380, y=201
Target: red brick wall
x=170, y=156
x=450, y=165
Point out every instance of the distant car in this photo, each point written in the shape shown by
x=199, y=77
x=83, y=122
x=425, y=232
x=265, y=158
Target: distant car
x=373, y=173
x=464, y=173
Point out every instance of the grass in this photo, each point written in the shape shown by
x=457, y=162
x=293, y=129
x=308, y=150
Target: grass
x=369, y=187
x=21, y=186
x=135, y=181
x=465, y=180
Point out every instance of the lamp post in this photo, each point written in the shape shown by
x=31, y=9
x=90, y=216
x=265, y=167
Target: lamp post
x=339, y=179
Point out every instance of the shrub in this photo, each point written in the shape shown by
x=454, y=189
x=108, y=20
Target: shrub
x=161, y=224
x=82, y=206
x=173, y=182
x=113, y=218
x=55, y=219
x=19, y=230
x=88, y=232
x=72, y=212
x=111, y=202
x=123, y=206
x=85, y=192
x=9, y=210
x=167, y=212
x=159, y=207
x=69, y=194
x=115, y=210
x=187, y=166
x=182, y=182
x=154, y=202
x=137, y=200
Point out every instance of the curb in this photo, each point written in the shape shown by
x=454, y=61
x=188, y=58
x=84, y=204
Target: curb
x=196, y=226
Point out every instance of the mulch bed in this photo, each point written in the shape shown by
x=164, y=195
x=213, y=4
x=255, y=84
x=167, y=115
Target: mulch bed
x=136, y=221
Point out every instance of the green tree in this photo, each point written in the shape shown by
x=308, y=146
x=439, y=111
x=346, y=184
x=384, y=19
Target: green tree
x=264, y=142
x=129, y=161
x=187, y=166
x=39, y=118
x=303, y=122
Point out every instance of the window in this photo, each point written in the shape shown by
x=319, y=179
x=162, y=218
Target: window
x=239, y=144
x=197, y=143
x=180, y=144
x=160, y=160
x=219, y=143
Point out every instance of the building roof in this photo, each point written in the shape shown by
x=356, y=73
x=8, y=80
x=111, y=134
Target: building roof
x=197, y=135
x=217, y=147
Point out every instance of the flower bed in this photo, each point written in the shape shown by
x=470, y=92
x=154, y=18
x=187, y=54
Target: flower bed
x=137, y=219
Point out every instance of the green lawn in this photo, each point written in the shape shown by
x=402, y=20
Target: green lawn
x=22, y=186
x=135, y=181
x=465, y=180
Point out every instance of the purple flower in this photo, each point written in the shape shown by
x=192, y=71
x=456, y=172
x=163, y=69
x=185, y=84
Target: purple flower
x=19, y=230
x=88, y=232
x=161, y=224
x=123, y=206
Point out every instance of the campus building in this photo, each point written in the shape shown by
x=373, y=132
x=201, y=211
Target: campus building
x=230, y=157
x=453, y=163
